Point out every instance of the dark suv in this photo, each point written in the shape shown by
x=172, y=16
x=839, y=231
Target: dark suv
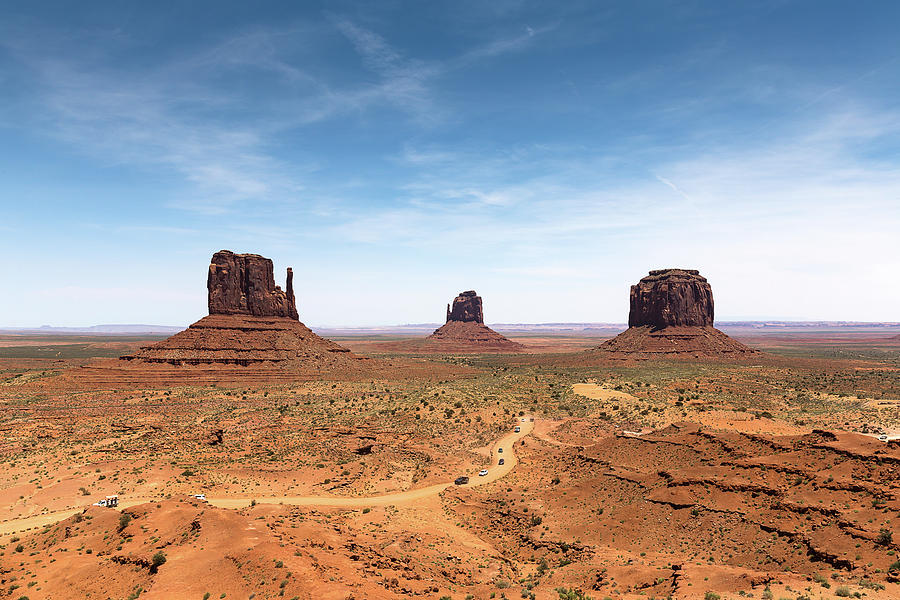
x=461, y=480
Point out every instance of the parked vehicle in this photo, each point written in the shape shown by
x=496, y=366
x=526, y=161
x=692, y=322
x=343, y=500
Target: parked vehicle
x=482, y=472
x=500, y=450
x=200, y=497
x=502, y=460
x=882, y=437
x=517, y=429
x=108, y=502
x=461, y=480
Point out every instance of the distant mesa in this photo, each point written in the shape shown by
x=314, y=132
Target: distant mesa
x=672, y=313
x=465, y=330
x=466, y=308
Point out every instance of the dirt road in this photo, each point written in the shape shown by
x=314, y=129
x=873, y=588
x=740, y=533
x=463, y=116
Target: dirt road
x=495, y=472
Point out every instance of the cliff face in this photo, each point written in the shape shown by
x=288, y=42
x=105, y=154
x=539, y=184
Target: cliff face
x=466, y=308
x=244, y=284
x=672, y=313
x=671, y=297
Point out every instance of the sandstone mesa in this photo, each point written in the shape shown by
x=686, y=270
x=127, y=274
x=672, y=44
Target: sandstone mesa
x=672, y=313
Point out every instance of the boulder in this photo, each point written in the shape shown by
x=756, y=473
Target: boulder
x=214, y=437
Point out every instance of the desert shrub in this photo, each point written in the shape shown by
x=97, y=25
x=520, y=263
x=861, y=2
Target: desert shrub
x=711, y=596
x=870, y=585
x=135, y=594
x=843, y=591
x=158, y=560
x=124, y=520
x=884, y=537
x=571, y=594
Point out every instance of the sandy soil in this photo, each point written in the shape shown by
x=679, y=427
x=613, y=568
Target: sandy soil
x=637, y=479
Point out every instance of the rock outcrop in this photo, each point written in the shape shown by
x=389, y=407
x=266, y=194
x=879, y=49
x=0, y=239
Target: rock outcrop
x=465, y=330
x=671, y=297
x=671, y=312
x=251, y=322
x=466, y=308
x=244, y=284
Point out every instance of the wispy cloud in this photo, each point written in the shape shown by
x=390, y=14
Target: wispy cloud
x=219, y=141
x=674, y=188
x=812, y=177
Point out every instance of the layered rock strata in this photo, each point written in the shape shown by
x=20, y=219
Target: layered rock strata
x=465, y=330
x=671, y=312
x=251, y=321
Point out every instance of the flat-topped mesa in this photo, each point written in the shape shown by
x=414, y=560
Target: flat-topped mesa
x=671, y=297
x=244, y=284
x=467, y=307
x=672, y=314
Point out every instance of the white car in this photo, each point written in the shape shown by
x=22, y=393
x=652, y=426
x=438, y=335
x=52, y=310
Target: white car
x=517, y=429
x=200, y=497
x=482, y=472
x=882, y=437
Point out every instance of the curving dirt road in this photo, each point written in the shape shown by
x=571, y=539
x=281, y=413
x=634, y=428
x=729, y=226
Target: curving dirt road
x=495, y=472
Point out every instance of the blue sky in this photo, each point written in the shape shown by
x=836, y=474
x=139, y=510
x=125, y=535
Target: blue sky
x=396, y=153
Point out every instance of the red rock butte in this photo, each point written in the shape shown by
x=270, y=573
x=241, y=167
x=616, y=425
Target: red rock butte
x=672, y=312
x=244, y=284
x=252, y=332
x=465, y=331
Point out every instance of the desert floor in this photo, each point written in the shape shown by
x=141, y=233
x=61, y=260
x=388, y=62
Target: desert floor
x=686, y=478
